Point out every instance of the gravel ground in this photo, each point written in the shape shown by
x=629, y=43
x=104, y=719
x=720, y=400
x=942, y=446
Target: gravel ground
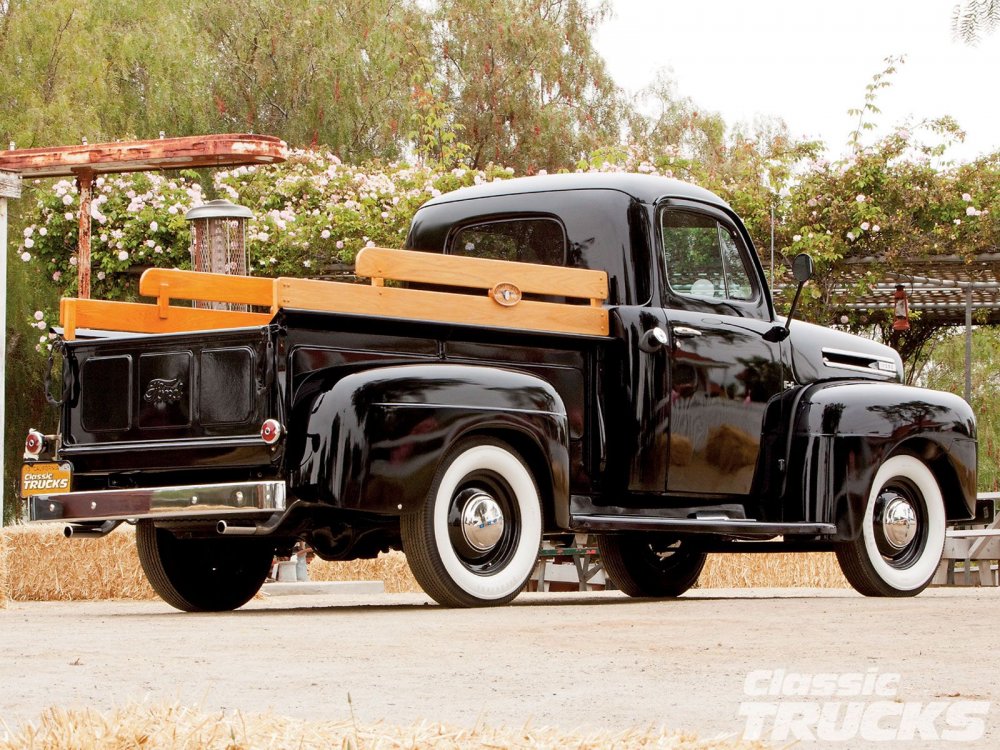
x=595, y=660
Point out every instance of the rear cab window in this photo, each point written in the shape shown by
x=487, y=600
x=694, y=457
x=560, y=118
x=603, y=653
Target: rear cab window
x=524, y=240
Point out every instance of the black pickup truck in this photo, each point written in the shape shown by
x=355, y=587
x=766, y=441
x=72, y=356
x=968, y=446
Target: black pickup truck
x=562, y=354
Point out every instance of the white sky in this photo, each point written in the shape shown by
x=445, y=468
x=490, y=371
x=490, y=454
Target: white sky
x=808, y=62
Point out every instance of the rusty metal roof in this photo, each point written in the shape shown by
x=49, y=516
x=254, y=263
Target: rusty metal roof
x=222, y=150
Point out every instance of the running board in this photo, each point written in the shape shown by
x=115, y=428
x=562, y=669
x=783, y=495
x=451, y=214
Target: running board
x=730, y=526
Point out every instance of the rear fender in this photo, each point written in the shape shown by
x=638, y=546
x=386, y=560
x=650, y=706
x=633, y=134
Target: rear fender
x=372, y=440
x=843, y=432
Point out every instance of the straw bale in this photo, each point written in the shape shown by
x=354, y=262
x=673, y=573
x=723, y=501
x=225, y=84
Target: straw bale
x=4, y=582
x=175, y=727
x=38, y=564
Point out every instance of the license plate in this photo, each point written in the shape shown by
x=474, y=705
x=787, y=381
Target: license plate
x=46, y=478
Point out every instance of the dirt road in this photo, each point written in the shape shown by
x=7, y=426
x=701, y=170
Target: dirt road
x=709, y=662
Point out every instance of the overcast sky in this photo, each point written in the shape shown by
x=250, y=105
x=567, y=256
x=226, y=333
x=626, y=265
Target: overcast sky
x=808, y=62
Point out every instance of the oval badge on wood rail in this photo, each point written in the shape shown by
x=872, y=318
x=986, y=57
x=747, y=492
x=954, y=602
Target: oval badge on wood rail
x=506, y=294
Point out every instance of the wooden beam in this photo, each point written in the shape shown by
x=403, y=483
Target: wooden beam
x=482, y=273
x=139, y=318
x=222, y=150
x=85, y=182
x=170, y=283
x=442, y=307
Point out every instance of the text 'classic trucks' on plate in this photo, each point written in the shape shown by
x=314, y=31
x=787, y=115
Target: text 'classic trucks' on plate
x=568, y=354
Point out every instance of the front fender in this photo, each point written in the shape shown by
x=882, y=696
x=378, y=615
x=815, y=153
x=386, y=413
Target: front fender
x=843, y=432
x=372, y=440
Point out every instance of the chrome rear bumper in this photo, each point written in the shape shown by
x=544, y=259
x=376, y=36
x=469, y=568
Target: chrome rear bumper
x=204, y=501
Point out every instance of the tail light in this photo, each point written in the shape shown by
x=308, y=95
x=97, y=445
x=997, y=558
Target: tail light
x=270, y=431
x=34, y=444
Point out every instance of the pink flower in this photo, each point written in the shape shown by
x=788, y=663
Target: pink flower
x=325, y=234
x=39, y=315
x=25, y=257
x=57, y=275
x=966, y=197
x=340, y=244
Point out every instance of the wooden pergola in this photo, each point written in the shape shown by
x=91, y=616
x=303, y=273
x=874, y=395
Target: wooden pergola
x=84, y=162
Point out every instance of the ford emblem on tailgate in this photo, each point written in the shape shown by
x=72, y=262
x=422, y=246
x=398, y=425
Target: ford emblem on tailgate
x=163, y=391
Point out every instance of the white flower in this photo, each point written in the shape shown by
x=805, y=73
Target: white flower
x=172, y=210
x=876, y=228
x=370, y=243
x=69, y=216
x=385, y=214
x=153, y=226
x=67, y=200
x=272, y=260
x=860, y=198
x=340, y=244
x=850, y=235
x=307, y=263
x=39, y=315
x=325, y=234
x=969, y=211
x=73, y=261
x=43, y=231
x=28, y=231
x=158, y=249
x=123, y=255
x=43, y=339
x=29, y=243
x=865, y=226
x=150, y=243
x=966, y=197
x=25, y=257
x=957, y=222
x=795, y=238
x=40, y=325
x=101, y=275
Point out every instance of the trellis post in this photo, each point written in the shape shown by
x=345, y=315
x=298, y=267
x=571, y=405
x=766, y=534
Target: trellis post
x=10, y=187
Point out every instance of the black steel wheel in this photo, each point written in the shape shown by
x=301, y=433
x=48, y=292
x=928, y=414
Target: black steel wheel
x=650, y=564
x=902, y=534
x=475, y=540
x=202, y=575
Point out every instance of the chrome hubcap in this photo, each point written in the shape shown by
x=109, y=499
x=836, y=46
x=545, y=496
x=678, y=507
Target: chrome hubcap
x=899, y=521
x=482, y=522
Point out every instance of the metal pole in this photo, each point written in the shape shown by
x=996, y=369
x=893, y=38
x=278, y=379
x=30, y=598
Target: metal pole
x=772, y=243
x=10, y=187
x=968, y=343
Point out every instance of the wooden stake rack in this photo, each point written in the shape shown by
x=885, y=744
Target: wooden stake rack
x=501, y=305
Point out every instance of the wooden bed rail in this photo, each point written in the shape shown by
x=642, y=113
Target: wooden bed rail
x=501, y=305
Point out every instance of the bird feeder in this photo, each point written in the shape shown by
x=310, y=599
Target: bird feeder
x=218, y=242
x=901, y=315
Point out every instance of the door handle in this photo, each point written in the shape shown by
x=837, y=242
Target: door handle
x=685, y=332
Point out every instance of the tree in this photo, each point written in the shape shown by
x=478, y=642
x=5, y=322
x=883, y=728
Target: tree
x=972, y=19
x=524, y=81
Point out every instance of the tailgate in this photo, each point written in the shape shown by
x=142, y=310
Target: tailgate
x=177, y=400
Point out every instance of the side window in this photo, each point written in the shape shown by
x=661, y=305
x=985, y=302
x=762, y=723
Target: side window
x=704, y=258
x=534, y=240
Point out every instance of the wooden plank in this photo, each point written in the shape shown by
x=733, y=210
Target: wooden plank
x=141, y=318
x=217, y=150
x=10, y=185
x=171, y=283
x=442, y=307
x=482, y=273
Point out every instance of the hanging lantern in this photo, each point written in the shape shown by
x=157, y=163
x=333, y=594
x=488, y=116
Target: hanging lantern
x=901, y=316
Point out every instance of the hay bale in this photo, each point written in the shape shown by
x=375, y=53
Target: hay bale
x=773, y=570
x=391, y=568
x=4, y=582
x=175, y=727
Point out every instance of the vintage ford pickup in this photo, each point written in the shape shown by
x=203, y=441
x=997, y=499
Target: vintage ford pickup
x=591, y=354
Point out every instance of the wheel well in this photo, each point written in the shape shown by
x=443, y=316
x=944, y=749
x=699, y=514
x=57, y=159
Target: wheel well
x=534, y=457
x=944, y=472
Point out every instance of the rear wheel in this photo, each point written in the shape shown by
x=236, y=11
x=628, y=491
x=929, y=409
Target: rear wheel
x=202, y=575
x=476, y=538
x=648, y=564
x=902, y=534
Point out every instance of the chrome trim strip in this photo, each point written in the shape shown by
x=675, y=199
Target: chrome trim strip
x=188, y=501
x=858, y=355
x=875, y=367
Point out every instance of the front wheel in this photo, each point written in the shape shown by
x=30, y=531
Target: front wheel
x=902, y=534
x=476, y=538
x=202, y=575
x=650, y=564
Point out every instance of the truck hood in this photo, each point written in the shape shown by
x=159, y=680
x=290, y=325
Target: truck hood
x=820, y=353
